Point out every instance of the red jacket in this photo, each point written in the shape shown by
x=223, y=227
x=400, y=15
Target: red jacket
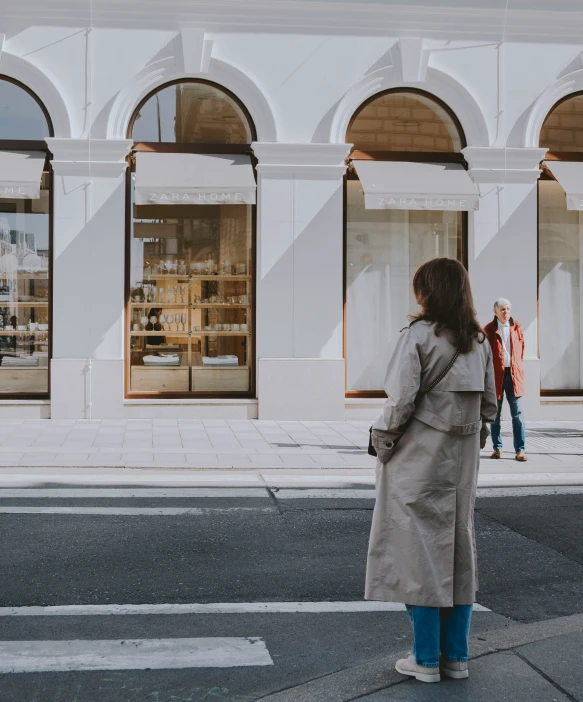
x=516, y=355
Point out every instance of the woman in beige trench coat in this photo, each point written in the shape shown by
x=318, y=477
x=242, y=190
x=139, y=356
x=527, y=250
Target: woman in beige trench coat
x=422, y=548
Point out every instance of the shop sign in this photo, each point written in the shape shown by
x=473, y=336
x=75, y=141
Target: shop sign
x=423, y=203
x=19, y=192
x=197, y=198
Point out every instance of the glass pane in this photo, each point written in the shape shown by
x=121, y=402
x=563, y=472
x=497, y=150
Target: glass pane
x=192, y=113
x=404, y=122
x=191, y=305
x=24, y=294
x=560, y=242
x=563, y=128
x=20, y=114
x=384, y=248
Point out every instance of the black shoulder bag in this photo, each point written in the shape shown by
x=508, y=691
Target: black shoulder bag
x=371, y=449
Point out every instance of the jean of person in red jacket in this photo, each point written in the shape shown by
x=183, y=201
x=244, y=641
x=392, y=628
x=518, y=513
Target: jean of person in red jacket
x=507, y=341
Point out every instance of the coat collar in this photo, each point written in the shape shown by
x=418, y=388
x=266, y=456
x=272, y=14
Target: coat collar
x=495, y=323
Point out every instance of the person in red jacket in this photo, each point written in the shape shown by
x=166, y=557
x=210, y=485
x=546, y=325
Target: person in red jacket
x=507, y=341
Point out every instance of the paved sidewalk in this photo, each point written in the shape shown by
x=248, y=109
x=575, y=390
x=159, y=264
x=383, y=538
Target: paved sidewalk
x=555, y=449
x=538, y=662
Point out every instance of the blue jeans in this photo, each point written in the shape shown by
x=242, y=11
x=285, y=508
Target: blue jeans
x=516, y=413
x=436, y=629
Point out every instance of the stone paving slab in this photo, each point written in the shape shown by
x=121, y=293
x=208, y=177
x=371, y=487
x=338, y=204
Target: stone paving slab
x=503, y=677
x=554, y=658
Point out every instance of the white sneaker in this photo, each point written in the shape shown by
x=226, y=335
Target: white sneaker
x=454, y=669
x=408, y=666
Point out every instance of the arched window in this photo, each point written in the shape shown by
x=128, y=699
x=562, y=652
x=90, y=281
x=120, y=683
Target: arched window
x=25, y=243
x=405, y=121
x=191, y=245
x=560, y=250
x=403, y=207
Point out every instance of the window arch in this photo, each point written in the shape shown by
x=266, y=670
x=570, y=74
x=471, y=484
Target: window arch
x=192, y=112
x=405, y=132
x=191, y=243
x=23, y=117
x=409, y=120
x=25, y=243
x=562, y=129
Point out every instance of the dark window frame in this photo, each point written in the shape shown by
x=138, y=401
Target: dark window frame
x=378, y=155
x=176, y=147
x=36, y=145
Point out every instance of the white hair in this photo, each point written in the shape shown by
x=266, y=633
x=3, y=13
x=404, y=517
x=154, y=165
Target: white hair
x=501, y=302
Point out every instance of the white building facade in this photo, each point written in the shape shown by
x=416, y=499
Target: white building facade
x=211, y=213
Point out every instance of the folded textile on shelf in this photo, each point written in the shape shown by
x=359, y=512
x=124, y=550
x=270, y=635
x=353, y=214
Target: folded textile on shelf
x=220, y=361
x=13, y=361
x=161, y=360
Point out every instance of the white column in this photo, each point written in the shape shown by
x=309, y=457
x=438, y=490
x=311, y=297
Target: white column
x=300, y=365
x=88, y=277
x=503, y=250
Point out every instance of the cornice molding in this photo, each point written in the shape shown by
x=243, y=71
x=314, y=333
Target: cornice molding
x=336, y=17
x=94, y=157
x=500, y=165
x=318, y=161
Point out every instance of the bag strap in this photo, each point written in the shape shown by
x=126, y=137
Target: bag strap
x=435, y=383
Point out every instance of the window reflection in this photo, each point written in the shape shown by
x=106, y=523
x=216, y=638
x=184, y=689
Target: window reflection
x=24, y=294
x=192, y=113
x=384, y=248
x=21, y=117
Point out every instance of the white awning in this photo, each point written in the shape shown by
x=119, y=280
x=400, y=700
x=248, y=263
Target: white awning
x=570, y=176
x=20, y=174
x=405, y=185
x=194, y=179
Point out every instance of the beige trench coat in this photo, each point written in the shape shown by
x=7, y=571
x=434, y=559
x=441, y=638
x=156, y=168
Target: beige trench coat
x=422, y=548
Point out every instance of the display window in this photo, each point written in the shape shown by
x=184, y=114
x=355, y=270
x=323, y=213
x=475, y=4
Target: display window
x=190, y=309
x=407, y=193
x=560, y=250
x=25, y=244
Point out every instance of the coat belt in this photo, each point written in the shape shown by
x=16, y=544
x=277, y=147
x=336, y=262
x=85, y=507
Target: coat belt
x=437, y=422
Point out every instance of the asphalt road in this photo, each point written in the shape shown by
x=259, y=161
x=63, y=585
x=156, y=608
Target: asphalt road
x=241, y=550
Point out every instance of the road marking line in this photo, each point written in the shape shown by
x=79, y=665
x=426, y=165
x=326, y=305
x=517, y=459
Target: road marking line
x=535, y=490
x=135, y=654
x=210, y=608
x=133, y=511
x=324, y=494
x=132, y=492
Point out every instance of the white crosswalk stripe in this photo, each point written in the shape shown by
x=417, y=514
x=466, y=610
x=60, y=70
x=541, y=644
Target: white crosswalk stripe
x=135, y=654
x=132, y=511
x=210, y=608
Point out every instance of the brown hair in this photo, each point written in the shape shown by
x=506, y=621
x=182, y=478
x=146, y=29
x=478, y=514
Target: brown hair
x=442, y=288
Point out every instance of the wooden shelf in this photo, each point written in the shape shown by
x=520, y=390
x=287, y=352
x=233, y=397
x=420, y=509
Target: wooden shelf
x=194, y=305
x=179, y=305
x=28, y=276
x=220, y=333
x=23, y=303
x=220, y=277
x=219, y=305
x=12, y=332
x=186, y=278
x=160, y=333
x=165, y=276
x=205, y=368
